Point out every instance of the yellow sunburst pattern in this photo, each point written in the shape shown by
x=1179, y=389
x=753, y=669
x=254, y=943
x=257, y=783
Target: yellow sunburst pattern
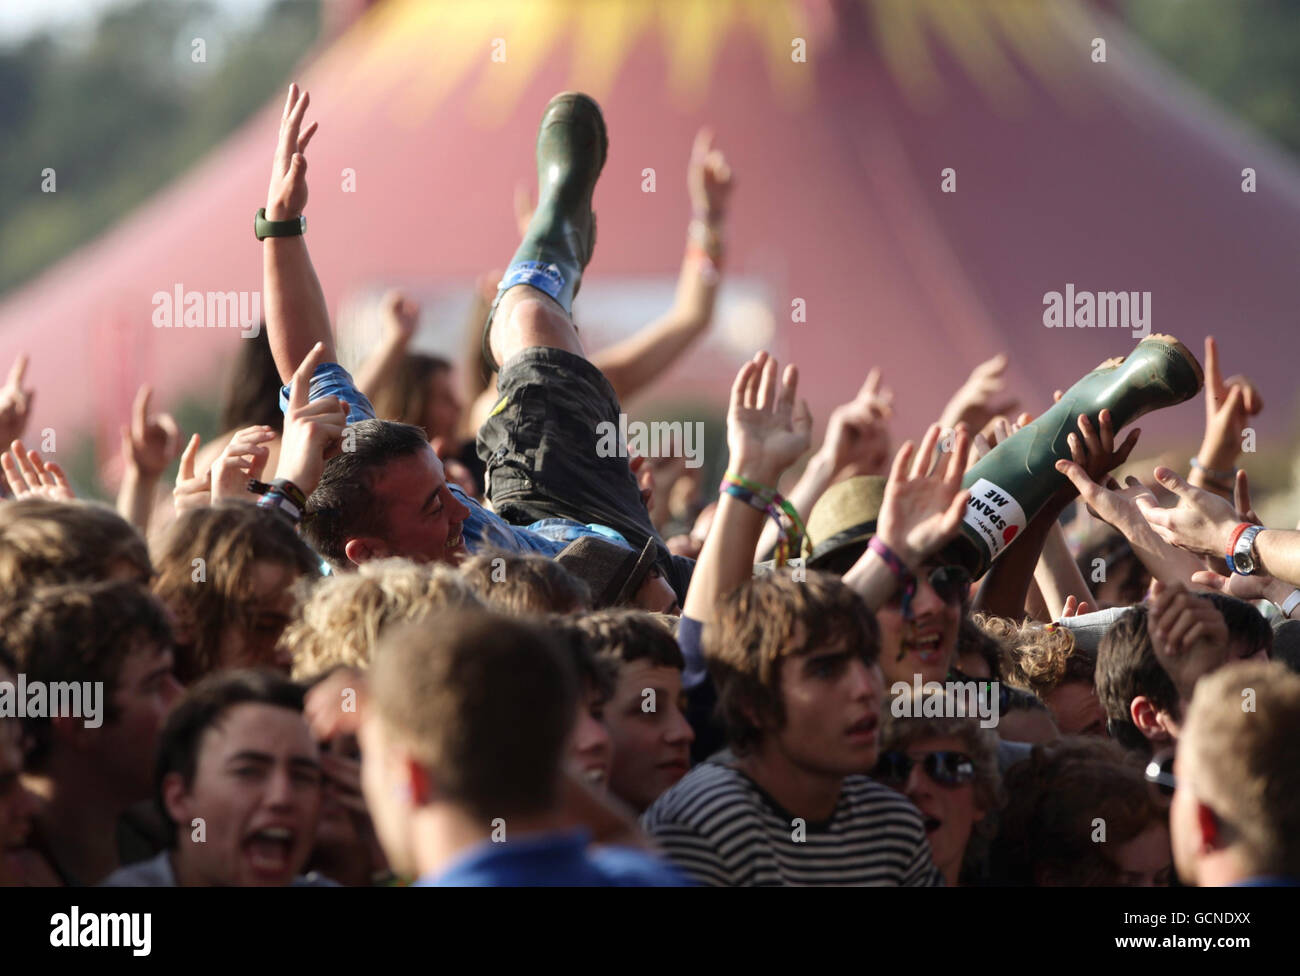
x=451, y=42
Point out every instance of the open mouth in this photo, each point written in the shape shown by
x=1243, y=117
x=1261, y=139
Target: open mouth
x=454, y=541
x=269, y=850
x=931, y=824
x=595, y=775
x=864, y=728
x=924, y=646
x=676, y=766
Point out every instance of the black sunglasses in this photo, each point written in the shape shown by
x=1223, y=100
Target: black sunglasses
x=950, y=583
x=945, y=768
x=1160, y=771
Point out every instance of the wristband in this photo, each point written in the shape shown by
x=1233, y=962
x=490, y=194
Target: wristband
x=264, y=228
x=277, y=502
x=1290, y=603
x=1232, y=545
x=290, y=491
x=889, y=556
x=1214, y=473
x=744, y=495
x=904, y=577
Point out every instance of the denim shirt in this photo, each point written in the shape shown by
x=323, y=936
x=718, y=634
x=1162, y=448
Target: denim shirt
x=482, y=528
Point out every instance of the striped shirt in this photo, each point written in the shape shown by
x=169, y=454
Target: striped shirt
x=720, y=828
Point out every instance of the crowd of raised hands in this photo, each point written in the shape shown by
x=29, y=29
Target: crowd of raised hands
x=787, y=665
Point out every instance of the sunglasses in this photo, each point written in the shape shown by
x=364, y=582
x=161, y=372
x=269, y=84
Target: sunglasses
x=1160, y=771
x=950, y=583
x=943, y=767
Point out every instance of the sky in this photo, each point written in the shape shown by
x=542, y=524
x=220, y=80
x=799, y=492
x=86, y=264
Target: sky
x=20, y=19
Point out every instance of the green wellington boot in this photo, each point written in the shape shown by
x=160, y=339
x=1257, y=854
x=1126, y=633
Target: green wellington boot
x=1011, y=484
x=571, y=150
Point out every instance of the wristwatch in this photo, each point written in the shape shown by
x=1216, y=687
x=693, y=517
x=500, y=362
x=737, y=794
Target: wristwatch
x=263, y=228
x=1244, y=561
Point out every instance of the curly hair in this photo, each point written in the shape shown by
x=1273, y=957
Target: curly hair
x=1038, y=658
x=340, y=621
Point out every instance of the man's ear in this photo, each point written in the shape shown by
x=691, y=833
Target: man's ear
x=175, y=798
x=1149, y=720
x=364, y=549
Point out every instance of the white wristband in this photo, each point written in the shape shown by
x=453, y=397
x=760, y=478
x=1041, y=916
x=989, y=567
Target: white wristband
x=1290, y=603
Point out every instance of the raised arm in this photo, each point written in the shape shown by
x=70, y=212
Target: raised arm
x=635, y=362
x=401, y=315
x=856, y=443
x=1204, y=523
x=1229, y=405
x=296, y=315
x=766, y=432
x=149, y=444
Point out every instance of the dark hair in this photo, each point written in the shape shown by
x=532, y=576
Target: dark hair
x=524, y=582
x=624, y=636
x=1045, y=835
x=764, y=621
x=200, y=709
x=342, y=506
x=1244, y=622
x=253, y=389
x=594, y=671
x=1126, y=668
x=79, y=632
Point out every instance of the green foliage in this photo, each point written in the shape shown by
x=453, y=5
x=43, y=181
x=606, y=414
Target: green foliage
x=1241, y=52
x=123, y=112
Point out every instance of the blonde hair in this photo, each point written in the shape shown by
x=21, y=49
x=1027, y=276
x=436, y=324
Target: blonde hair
x=1038, y=658
x=1243, y=761
x=340, y=621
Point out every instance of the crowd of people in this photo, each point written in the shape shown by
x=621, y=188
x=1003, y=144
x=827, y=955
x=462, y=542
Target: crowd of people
x=454, y=642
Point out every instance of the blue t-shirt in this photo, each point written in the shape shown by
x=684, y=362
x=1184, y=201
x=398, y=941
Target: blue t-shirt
x=555, y=859
x=483, y=529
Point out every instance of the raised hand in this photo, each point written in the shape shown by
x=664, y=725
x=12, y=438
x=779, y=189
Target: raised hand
x=1094, y=449
x=243, y=458
x=708, y=177
x=15, y=402
x=1188, y=634
x=921, y=511
x=1075, y=607
x=312, y=430
x=981, y=397
x=857, y=435
x=1201, y=522
x=191, y=491
x=401, y=315
x=31, y=477
x=1229, y=406
x=766, y=430
x=286, y=197
x=151, y=442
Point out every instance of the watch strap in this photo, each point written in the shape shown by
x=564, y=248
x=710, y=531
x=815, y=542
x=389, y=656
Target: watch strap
x=264, y=228
x=1290, y=603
